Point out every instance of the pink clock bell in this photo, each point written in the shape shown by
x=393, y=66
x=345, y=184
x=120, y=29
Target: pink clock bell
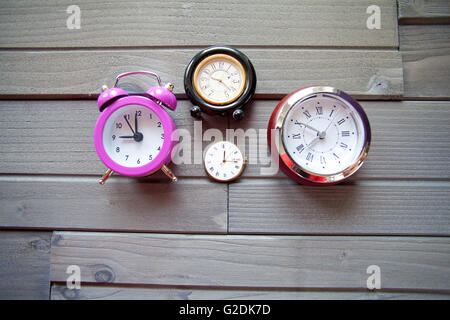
x=134, y=135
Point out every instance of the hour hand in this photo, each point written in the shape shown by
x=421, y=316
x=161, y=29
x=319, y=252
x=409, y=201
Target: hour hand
x=126, y=137
x=307, y=126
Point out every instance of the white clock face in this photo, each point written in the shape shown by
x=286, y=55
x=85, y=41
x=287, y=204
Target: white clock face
x=224, y=161
x=133, y=136
x=219, y=79
x=323, y=135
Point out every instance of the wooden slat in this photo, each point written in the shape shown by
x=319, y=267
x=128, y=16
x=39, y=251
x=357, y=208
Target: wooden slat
x=426, y=61
x=423, y=11
x=200, y=23
x=39, y=137
x=98, y=292
x=375, y=74
x=409, y=139
x=372, y=208
x=120, y=204
x=24, y=265
x=56, y=137
x=256, y=261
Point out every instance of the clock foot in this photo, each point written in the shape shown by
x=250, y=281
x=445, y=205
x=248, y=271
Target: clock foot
x=169, y=173
x=105, y=177
x=238, y=114
x=196, y=112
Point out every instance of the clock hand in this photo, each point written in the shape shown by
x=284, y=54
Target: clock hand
x=320, y=136
x=126, y=137
x=307, y=126
x=221, y=81
x=125, y=117
x=231, y=160
x=136, y=123
x=224, y=156
x=337, y=113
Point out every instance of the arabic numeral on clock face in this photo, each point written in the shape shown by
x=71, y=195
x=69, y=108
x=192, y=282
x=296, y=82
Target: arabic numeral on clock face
x=117, y=149
x=119, y=125
x=162, y=135
x=150, y=157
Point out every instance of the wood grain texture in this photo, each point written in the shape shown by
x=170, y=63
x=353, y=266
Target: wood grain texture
x=256, y=261
x=56, y=137
x=120, y=204
x=423, y=11
x=24, y=265
x=39, y=137
x=98, y=292
x=409, y=139
x=426, y=61
x=197, y=23
x=374, y=74
x=402, y=209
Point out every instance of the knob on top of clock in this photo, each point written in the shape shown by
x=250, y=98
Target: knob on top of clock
x=219, y=80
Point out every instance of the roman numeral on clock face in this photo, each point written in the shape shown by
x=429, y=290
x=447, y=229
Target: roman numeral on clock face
x=345, y=133
x=319, y=110
x=310, y=157
x=307, y=114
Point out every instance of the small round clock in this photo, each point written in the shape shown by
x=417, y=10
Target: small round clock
x=224, y=161
x=134, y=135
x=219, y=80
x=320, y=134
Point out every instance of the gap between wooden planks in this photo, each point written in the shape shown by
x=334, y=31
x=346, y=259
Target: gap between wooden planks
x=111, y=292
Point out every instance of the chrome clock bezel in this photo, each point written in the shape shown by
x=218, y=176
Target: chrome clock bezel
x=298, y=170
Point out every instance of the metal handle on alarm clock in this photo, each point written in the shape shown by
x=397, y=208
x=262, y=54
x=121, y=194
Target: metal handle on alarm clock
x=137, y=72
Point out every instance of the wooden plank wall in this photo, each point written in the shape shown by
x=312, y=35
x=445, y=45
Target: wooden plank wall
x=261, y=237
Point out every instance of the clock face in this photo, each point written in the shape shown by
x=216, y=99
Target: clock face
x=224, y=161
x=323, y=135
x=219, y=79
x=133, y=136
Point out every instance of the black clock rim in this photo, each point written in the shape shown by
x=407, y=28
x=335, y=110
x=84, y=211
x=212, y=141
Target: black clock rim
x=241, y=101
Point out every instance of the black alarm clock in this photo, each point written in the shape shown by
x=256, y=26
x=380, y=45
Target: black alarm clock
x=219, y=80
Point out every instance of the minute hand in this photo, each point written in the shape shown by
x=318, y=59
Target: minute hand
x=332, y=121
x=125, y=117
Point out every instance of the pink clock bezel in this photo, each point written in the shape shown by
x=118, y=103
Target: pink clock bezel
x=165, y=154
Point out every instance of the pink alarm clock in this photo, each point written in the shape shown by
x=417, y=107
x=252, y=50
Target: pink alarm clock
x=134, y=135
